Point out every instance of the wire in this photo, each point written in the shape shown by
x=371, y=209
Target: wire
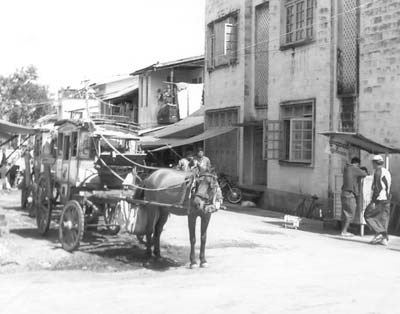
x=304, y=28
x=123, y=156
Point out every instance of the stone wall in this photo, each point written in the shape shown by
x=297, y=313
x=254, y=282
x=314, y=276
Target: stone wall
x=297, y=74
x=379, y=109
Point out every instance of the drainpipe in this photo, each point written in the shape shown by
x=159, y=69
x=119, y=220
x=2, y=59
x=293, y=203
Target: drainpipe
x=333, y=52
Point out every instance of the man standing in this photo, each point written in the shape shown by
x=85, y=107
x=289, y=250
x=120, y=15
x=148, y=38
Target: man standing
x=350, y=193
x=202, y=162
x=377, y=214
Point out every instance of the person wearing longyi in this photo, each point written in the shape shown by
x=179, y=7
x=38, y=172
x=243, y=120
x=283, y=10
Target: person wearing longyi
x=377, y=213
x=350, y=192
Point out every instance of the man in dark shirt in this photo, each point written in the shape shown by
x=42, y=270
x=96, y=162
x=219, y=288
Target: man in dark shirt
x=350, y=192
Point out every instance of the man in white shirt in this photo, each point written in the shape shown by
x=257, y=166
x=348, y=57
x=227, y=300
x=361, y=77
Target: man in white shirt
x=377, y=214
x=202, y=162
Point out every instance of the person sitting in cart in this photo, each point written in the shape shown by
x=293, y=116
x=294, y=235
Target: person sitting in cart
x=350, y=193
x=186, y=163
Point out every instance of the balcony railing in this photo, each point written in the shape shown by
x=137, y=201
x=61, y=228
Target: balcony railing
x=114, y=119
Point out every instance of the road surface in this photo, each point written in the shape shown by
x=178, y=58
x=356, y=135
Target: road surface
x=255, y=266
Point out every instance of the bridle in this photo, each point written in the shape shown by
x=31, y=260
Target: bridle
x=212, y=187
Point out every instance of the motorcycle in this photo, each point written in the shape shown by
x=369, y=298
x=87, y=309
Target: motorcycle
x=229, y=190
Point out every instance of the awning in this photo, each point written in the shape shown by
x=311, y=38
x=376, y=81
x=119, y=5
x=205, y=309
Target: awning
x=150, y=130
x=359, y=141
x=167, y=143
x=121, y=93
x=188, y=127
x=8, y=128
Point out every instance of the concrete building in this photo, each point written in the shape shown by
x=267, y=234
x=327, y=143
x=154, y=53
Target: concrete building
x=157, y=89
x=73, y=104
x=284, y=72
x=119, y=97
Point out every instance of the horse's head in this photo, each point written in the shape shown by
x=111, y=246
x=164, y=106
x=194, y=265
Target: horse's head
x=207, y=193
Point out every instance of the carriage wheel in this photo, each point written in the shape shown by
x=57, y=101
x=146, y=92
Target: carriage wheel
x=110, y=218
x=43, y=207
x=71, y=226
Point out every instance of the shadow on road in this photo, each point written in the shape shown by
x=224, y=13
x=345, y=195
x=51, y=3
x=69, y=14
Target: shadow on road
x=128, y=250
x=32, y=233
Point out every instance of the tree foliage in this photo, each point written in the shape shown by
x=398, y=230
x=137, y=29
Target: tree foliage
x=22, y=99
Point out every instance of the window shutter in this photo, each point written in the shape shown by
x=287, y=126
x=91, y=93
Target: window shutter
x=210, y=51
x=230, y=43
x=273, y=140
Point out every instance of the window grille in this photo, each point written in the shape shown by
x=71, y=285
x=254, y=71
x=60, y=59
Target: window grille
x=262, y=55
x=348, y=48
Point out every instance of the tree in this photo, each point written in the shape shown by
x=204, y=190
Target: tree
x=22, y=99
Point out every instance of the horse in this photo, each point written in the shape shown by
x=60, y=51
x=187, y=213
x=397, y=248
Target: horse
x=188, y=195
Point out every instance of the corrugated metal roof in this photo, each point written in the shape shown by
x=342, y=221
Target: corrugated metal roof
x=359, y=141
x=171, y=64
x=167, y=143
x=8, y=128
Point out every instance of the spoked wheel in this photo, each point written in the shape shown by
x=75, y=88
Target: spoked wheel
x=110, y=218
x=71, y=226
x=43, y=207
x=234, y=195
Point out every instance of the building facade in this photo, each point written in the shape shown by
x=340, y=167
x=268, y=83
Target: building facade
x=119, y=98
x=158, y=90
x=284, y=72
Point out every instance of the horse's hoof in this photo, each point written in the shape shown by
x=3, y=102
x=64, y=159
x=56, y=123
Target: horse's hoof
x=157, y=257
x=204, y=265
x=193, y=265
x=146, y=264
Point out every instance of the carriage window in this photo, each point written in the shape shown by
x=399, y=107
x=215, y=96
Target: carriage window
x=74, y=144
x=60, y=144
x=66, y=147
x=94, y=143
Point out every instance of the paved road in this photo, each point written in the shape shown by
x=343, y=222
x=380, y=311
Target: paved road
x=256, y=266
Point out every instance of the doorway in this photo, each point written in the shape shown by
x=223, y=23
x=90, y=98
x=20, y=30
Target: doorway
x=259, y=164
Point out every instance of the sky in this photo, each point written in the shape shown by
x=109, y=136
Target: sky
x=73, y=40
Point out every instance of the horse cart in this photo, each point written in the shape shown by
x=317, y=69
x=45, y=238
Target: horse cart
x=79, y=173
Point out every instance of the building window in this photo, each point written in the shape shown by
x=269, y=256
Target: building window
x=298, y=22
x=141, y=91
x=147, y=90
x=292, y=137
x=74, y=147
x=116, y=110
x=66, y=147
x=222, y=41
x=60, y=144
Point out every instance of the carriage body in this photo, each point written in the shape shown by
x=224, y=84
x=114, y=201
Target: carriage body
x=83, y=160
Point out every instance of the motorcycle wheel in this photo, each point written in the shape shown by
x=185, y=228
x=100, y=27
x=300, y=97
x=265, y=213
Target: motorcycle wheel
x=234, y=195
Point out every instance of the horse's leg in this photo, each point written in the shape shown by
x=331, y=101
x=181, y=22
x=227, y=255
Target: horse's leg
x=192, y=236
x=205, y=219
x=157, y=231
x=151, y=213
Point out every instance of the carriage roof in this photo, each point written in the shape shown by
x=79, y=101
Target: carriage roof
x=97, y=129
